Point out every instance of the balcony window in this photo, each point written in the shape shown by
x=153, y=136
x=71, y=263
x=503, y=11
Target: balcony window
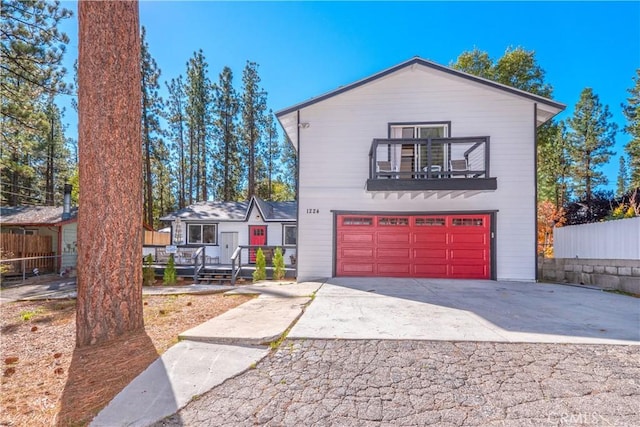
x=423, y=157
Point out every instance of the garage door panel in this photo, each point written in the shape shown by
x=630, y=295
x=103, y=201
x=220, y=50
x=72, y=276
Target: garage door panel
x=394, y=269
x=466, y=271
x=358, y=268
x=414, y=246
x=467, y=254
x=357, y=253
x=421, y=238
x=471, y=238
x=382, y=253
x=430, y=270
x=391, y=238
x=427, y=254
x=357, y=237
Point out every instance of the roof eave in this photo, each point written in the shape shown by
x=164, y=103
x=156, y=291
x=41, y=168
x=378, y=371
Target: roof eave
x=429, y=64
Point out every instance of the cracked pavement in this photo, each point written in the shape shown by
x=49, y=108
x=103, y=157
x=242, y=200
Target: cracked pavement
x=389, y=383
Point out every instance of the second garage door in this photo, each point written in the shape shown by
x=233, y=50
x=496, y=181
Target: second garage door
x=454, y=246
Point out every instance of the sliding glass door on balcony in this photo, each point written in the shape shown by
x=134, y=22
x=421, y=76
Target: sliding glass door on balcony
x=407, y=158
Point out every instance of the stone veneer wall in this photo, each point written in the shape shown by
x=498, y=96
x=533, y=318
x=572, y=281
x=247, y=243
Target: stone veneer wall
x=613, y=274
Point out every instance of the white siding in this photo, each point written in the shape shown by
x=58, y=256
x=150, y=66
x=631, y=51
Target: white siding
x=274, y=233
x=602, y=240
x=334, y=161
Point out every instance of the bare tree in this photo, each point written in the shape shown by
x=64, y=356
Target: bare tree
x=110, y=206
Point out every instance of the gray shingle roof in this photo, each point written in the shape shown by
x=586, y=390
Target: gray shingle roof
x=33, y=215
x=234, y=211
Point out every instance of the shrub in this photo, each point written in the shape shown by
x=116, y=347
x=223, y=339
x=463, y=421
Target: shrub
x=278, y=264
x=261, y=267
x=170, y=276
x=148, y=274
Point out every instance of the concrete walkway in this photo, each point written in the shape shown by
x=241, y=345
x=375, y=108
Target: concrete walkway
x=468, y=310
x=204, y=358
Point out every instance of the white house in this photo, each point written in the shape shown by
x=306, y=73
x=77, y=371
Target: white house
x=223, y=226
x=418, y=171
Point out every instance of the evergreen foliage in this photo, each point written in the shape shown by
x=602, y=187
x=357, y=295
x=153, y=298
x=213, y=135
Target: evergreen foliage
x=253, y=107
x=623, y=178
x=170, y=276
x=198, y=111
x=175, y=115
x=229, y=166
x=289, y=174
x=590, y=141
x=278, y=264
x=34, y=161
x=148, y=274
x=554, y=168
x=154, y=150
x=261, y=266
x=519, y=68
x=631, y=111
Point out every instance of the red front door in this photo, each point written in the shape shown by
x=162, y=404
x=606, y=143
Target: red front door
x=257, y=237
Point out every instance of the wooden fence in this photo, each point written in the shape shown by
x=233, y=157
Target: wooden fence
x=27, y=246
x=155, y=238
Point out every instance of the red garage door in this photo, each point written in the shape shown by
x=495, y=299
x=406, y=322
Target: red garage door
x=456, y=246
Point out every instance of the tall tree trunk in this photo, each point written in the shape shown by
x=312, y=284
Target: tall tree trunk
x=110, y=207
x=49, y=172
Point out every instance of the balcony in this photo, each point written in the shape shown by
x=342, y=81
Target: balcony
x=435, y=164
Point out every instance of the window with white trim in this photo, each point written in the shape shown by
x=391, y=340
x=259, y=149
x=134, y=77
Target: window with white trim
x=204, y=234
x=289, y=235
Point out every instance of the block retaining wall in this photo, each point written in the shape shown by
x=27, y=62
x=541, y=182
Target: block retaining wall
x=610, y=274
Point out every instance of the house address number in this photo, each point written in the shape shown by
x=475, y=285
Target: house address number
x=313, y=211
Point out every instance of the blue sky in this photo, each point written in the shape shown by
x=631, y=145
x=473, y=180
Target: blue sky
x=308, y=48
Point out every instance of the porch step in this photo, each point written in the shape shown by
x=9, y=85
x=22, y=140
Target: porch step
x=215, y=274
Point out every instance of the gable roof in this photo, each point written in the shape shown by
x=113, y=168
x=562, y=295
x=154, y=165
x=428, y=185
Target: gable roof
x=35, y=215
x=550, y=107
x=235, y=211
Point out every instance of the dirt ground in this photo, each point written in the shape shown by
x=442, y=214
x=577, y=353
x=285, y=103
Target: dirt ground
x=47, y=381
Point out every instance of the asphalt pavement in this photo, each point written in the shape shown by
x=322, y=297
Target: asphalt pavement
x=394, y=352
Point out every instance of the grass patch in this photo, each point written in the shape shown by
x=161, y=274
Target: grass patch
x=627, y=294
x=27, y=315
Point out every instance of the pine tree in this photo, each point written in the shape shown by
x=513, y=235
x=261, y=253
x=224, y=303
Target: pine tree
x=53, y=167
x=152, y=109
x=289, y=175
x=253, y=106
x=271, y=152
x=554, y=171
x=229, y=165
x=176, y=119
x=590, y=140
x=198, y=113
x=31, y=75
x=631, y=111
x=623, y=178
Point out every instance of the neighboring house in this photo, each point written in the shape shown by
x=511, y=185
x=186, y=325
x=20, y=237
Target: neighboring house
x=60, y=232
x=418, y=171
x=223, y=226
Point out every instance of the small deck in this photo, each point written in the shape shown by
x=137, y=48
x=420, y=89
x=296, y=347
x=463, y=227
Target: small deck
x=219, y=273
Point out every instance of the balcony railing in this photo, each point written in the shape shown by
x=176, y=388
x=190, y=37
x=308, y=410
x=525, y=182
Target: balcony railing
x=430, y=164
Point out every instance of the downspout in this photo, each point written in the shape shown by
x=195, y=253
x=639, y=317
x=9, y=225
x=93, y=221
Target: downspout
x=535, y=186
x=59, y=253
x=298, y=192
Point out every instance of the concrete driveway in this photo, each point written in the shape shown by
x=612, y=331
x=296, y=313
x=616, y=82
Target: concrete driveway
x=468, y=310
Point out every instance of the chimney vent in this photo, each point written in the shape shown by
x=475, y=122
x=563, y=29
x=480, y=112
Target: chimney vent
x=66, y=210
